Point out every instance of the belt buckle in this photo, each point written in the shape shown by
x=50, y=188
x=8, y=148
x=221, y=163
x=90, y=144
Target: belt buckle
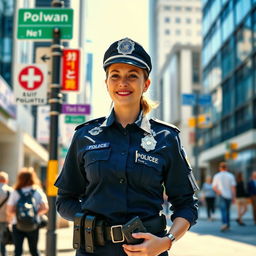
x=112, y=234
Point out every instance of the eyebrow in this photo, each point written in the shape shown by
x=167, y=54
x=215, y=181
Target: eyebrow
x=130, y=71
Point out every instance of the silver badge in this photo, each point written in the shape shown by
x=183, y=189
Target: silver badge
x=125, y=46
x=148, y=143
x=95, y=131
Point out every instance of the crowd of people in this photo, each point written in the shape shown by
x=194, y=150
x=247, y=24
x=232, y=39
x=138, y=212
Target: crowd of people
x=227, y=188
x=21, y=209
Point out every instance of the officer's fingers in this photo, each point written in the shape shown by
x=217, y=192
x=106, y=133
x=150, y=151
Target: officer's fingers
x=132, y=248
x=142, y=235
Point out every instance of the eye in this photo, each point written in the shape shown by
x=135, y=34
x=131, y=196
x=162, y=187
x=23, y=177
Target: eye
x=114, y=76
x=133, y=76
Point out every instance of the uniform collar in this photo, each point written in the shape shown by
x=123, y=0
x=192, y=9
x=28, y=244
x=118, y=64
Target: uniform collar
x=142, y=121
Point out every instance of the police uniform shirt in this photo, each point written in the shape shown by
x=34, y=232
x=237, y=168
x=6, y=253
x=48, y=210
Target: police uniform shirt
x=116, y=175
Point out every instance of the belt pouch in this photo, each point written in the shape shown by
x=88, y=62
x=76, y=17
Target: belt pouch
x=78, y=236
x=99, y=233
x=89, y=228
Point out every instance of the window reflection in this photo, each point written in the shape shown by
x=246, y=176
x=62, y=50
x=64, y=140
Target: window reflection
x=227, y=54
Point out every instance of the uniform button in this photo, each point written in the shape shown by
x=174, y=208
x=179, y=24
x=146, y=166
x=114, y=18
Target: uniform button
x=122, y=180
x=123, y=153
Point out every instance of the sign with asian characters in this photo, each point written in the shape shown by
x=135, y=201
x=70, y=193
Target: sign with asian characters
x=70, y=70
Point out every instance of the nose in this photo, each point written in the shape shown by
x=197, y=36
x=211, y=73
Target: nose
x=123, y=81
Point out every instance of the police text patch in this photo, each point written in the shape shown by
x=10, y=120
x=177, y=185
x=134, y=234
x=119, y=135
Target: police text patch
x=145, y=158
x=97, y=146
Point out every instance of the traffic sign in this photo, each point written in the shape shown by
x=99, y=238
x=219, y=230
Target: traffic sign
x=76, y=109
x=30, y=87
x=44, y=56
x=204, y=99
x=38, y=23
x=188, y=99
x=74, y=119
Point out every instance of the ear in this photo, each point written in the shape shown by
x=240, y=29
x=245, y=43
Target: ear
x=147, y=84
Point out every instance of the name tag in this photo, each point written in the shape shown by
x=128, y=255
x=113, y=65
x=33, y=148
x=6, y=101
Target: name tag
x=145, y=158
x=97, y=146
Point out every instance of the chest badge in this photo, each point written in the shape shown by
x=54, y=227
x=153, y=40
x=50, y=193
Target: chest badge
x=148, y=143
x=95, y=131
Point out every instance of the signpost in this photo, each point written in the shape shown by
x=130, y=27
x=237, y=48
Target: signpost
x=76, y=109
x=38, y=23
x=76, y=119
x=30, y=85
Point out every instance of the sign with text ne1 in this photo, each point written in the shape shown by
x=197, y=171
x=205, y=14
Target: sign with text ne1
x=70, y=70
x=38, y=23
x=76, y=109
x=30, y=84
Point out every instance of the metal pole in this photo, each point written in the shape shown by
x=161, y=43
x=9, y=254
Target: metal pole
x=197, y=174
x=55, y=106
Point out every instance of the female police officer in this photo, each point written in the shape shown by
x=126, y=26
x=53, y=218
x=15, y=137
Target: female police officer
x=116, y=167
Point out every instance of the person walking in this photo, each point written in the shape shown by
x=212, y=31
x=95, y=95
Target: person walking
x=27, y=184
x=116, y=167
x=5, y=191
x=209, y=197
x=252, y=194
x=241, y=198
x=224, y=184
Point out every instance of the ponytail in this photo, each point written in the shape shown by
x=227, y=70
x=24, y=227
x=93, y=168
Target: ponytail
x=147, y=104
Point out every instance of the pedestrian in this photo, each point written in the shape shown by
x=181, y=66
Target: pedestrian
x=241, y=198
x=224, y=184
x=209, y=197
x=5, y=191
x=27, y=184
x=116, y=167
x=252, y=193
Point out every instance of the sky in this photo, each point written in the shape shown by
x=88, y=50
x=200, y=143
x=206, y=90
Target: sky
x=109, y=21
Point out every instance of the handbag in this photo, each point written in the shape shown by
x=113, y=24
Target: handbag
x=43, y=221
x=7, y=236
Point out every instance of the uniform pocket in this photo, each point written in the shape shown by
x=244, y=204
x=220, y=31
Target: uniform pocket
x=94, y=163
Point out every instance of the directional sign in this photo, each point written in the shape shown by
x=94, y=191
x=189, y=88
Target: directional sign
x=30, y=86
x=38, y=23
x=204, y=99
x=76, y=109
x=44, y=56
x=188, y=99
x=74, y=119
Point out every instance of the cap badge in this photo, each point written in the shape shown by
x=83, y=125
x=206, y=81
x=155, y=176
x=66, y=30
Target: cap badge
x=95, y=131
x=125, y=46
x=148, y=143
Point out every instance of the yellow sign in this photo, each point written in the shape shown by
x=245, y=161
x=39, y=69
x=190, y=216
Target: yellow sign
x=201, y=120
x=52, y=172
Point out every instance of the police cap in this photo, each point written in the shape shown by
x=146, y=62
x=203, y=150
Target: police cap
x=129, y=52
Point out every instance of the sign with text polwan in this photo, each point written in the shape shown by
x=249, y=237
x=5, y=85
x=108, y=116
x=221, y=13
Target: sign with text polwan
x=38, y=23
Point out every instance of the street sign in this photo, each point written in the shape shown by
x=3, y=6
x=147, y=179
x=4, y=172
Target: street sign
x=188, y=99
x=38, y=23
x=203, y=121
x=44, y=56
x=204, y=99
x=30, y=86
x=70, y=70
x=74, y=119
x=76, y=109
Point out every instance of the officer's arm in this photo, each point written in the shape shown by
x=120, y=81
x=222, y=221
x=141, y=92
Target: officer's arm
x=68, y=204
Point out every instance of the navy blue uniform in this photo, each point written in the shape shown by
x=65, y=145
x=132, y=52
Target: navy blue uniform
x=117, y=173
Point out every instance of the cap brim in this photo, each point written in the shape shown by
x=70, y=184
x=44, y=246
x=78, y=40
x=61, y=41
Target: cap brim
x=125, y=61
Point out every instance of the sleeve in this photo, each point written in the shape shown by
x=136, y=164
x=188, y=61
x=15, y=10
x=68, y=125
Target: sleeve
x=180, y=184
x=72, y=177
x=13, y=198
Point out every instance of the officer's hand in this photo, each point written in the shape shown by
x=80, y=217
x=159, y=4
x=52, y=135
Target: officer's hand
x=151, y=246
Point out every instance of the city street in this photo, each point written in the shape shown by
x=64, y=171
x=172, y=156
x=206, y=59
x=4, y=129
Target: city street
x=204, y=239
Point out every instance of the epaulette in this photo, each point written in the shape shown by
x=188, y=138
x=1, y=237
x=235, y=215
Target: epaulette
x=96, y=120
x=166, y=124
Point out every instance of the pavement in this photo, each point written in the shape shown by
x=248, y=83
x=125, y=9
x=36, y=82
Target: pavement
x=203, y=239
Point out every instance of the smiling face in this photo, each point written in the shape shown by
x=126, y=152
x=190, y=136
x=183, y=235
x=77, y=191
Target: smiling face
x=126, y=84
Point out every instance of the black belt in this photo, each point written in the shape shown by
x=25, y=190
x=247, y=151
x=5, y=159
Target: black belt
x=114, y=233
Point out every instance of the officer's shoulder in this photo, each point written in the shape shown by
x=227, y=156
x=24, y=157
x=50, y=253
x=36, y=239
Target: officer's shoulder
x=95, y=121
x=173, y=127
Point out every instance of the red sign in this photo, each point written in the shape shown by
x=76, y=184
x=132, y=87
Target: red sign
x=30, y=78
x=70, y=69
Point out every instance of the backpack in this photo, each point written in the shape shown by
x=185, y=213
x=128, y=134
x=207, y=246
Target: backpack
x=26, y=212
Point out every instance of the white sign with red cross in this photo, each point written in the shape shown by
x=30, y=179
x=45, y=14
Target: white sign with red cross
x=30, y=84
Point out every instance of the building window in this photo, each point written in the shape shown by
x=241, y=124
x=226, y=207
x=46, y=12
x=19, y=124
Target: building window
x=254, y=29
x=167, y=20
x=167, y=8
x=177, y=20
x=177, y=8
x=196, y=67
x=177, y=32
x=243, y=41
x=227, y=57
x=188, y=20
x=188, y=9
x=241, y=9
x=167, y=32
x=244, y=86
x=227, y=21
x=228, y=97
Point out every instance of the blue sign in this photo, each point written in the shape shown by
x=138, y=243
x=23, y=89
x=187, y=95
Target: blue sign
x=188, y=99
x=205, y=99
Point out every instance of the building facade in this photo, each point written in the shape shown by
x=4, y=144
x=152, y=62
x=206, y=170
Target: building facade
x=229, y=64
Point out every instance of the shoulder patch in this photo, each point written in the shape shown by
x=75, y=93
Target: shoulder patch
x=96, y=120
x=166, y=124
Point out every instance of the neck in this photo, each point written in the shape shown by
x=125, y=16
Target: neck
x=126, y=115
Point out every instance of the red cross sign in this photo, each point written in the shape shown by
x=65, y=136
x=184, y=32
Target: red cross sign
x=31, y=78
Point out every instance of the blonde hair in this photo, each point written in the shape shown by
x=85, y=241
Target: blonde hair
x=147, y=104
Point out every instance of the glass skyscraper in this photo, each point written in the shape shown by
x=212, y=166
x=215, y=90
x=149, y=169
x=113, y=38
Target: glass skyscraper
x=229, y=64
